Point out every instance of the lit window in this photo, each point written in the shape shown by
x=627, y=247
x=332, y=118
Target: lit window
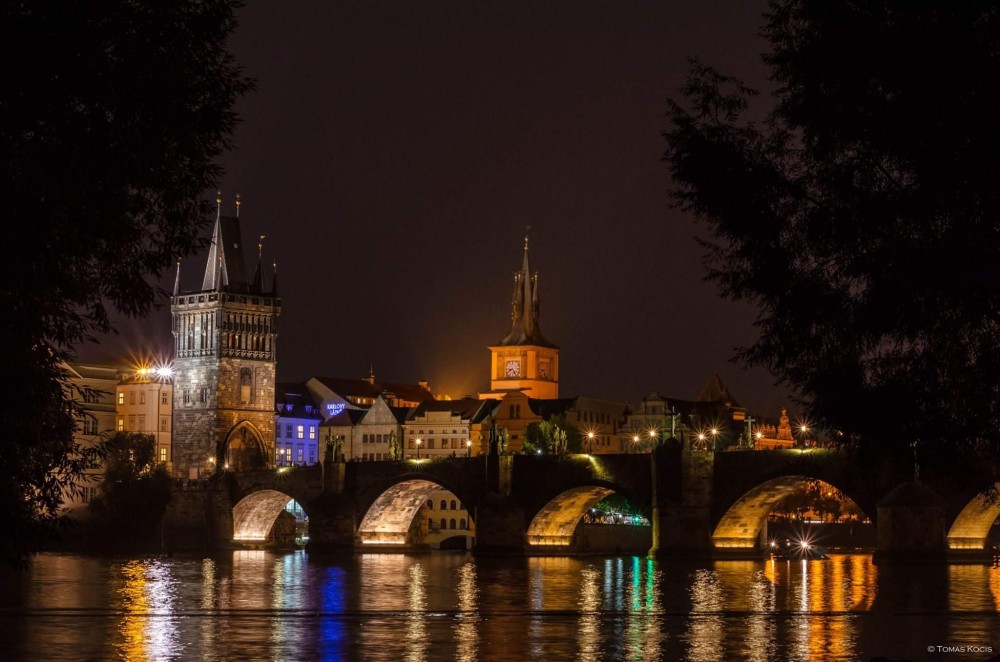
x=301, y=454
x=121, y=425
x=121, y=397
x=301, y=431
x=163, y=453
x=312, y=431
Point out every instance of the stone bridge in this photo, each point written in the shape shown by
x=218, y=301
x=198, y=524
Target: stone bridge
x=700, y=503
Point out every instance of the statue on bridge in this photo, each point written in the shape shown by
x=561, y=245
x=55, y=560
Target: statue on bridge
x=395, y=447
x=494, y=440
x=334, y=447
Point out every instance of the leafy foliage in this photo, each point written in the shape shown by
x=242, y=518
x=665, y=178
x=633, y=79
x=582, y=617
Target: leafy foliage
x=862, y=217
x=552, y=437
x=134, y=492
x=110, y=124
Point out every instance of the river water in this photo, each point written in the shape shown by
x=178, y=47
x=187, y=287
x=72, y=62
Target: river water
x=254, y=605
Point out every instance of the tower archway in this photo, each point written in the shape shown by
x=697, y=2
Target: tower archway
x=244, y=449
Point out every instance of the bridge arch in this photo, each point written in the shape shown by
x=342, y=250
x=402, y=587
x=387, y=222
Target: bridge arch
x=389, y=519
x=244, y=449
x=556, y=522
x=742, y=524
x=972, y=526
x=255, y=514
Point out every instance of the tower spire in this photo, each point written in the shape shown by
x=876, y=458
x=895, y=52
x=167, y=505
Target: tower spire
x=524, y=304
x=218, y=205
x=177, y=279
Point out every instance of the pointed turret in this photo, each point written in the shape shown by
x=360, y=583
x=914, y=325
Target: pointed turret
x=177, y=279
x=258, y=285
x=224, y=270
x=274, y=278
x=525, y=307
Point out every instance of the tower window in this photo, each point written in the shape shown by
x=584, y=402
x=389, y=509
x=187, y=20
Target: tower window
x=246, y=378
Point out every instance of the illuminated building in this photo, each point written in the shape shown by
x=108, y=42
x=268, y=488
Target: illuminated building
x=224, y=361
x=92, y=389
x=443, y=427
x=597, y=421
x=714, y=421
x=524, y=360
x=296, y=428
x=143, y=404
x=769, y=437
x=374, y=432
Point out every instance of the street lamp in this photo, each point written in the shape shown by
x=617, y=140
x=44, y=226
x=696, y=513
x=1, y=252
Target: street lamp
x=715, y=434
x=652, y=436
x=590, y=437
x=635, y=441
x=419, y=441
x=804, y=429
x=468, y=448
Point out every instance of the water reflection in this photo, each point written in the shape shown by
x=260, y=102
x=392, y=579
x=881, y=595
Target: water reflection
x=148, y=631
x=705, y=641
x=467, y=619
x=259, y=605
x=416, y=621
x=589, y=618
x=642, y=623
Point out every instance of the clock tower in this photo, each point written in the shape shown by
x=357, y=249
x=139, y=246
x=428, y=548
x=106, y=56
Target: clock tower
x=524, y=360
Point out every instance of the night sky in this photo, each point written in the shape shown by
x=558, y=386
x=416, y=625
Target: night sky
x=394, y=152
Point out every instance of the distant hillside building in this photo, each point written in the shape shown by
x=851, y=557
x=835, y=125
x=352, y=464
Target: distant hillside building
x=769, y=437
x=225, y=336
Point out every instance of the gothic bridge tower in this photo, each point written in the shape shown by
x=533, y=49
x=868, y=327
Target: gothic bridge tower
x=524, y=360
x=224, y=361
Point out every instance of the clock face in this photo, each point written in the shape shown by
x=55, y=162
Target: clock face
x=513, y=368
x=543, y=369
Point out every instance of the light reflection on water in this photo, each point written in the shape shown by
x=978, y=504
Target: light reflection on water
x=259, y=605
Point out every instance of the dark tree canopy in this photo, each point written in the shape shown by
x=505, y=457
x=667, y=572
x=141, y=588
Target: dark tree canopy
x=861, y=213
x=112, y=115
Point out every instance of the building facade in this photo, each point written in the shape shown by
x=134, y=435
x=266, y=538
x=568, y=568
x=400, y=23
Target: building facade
x=296, y=429
x=92, y=390
x=225, y=338
x=144, y=404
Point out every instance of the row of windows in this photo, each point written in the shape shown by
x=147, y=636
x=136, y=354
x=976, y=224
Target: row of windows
x=429, y=444
x=448, y=524
x=593, y=417
x=299, y=431
x=132, y=427
x=455, y=505
x=420, y=432
x=290, y=455
x=164, y=397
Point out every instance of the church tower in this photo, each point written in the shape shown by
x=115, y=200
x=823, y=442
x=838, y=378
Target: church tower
x=524, y=360
x=224, y=361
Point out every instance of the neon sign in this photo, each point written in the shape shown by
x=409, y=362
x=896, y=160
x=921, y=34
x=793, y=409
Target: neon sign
x=334, y=408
